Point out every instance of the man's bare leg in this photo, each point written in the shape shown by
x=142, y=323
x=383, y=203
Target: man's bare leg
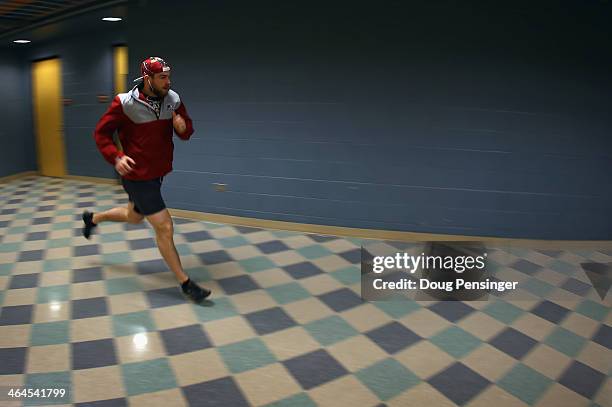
x=119, y=214
x=164, y=232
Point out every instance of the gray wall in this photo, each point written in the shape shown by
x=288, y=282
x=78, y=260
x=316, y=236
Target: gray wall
x=17, y=151
x=414, y=116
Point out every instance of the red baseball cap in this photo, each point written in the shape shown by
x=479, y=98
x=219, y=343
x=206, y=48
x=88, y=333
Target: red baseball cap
x=151, y=66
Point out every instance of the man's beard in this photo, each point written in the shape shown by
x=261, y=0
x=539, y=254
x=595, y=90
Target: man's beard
x=160, y=93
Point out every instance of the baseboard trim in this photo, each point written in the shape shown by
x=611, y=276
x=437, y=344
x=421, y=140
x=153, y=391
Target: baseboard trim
x=13, y=177
x=97, y=180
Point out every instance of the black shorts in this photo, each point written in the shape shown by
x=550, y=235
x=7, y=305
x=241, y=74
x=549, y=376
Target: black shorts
x=146, y=195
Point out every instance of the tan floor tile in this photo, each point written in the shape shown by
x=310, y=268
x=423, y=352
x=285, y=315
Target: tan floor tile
x=533, y=326
x=91, y=289
x=289, y=343
x=174, y=317
x=29, y=267
x=596, y=356
x=166, y=398
x=205, y=246
x=223, y=232
x=15, y=336
x=51, y=278
x=20, y=296
x=481, y=325
x=229, y=330
x=225, y=270
x=51, y=358
x=8, y=258
x=560, y=396
x=139, y=347
x=422, y=394
x=252, y=301
x=90, y=329
x=548, y=361
x=259, y=237
x=286, y=258
x=346, y=391
x=339, y=245
x=307, y=310
x=320, y=284
x=272, y=277
x=197, y=367
x=424, y=322
x=357, y=353
x=255, y=384
x=243, y=252
x=580, y=325
x=51, y=311
x=297, y=242
x=366, y=317
x=494, y=396
x=604, y=395
x=151, y=253
x=126, y=303
x=34, y=245
x=331, y=263
x=489, y=362
x=424, y=359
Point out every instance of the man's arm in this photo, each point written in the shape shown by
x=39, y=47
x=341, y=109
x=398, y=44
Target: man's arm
x=106, y=127
x=183, y=126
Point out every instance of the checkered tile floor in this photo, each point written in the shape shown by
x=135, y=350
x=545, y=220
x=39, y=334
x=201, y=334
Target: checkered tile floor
x=285, y=325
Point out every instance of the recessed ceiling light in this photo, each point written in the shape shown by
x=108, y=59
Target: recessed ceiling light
x=21, y=41
x=112, y=19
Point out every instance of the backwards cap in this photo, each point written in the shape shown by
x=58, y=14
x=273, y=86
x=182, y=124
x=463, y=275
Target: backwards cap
x=151, y=66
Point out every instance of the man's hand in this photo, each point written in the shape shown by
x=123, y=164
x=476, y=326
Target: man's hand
x=179, y=123
x=124, y=164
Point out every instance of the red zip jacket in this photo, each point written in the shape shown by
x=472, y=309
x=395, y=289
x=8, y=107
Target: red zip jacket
x=145, y=138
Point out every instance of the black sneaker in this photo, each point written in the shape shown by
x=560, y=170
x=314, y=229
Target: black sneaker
x=89, y=224
x=194, y=291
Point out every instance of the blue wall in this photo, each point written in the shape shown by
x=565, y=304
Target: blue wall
x=16, y=137
x=85, y=47
x=429, y=117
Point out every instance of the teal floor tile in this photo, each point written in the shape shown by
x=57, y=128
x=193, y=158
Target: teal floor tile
x=50, y=333
x=348, y=275
x=387, y=378
x=298, y=400
x=246, y=355
x=314, y=252
x=525, y=383
x=234, y=241
x=110, y=237
x=53, y=293
x=330, y=330
x=53, y=380
x=536, y=287
x=132, y=323
x=5, y=269
x=503, y=311
x=286, y=293
x=117, y=258
x=221, y=308
x=255, y=264
x=397, y=308
x=10, y=247
x=147, y=377
x=57, y=243
x=62, y=225
x=57, y=265
x=565, y=341
x=593, y=310
x=183, y=249
x=116, y=286
x=456, y=342
x=562, y=267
